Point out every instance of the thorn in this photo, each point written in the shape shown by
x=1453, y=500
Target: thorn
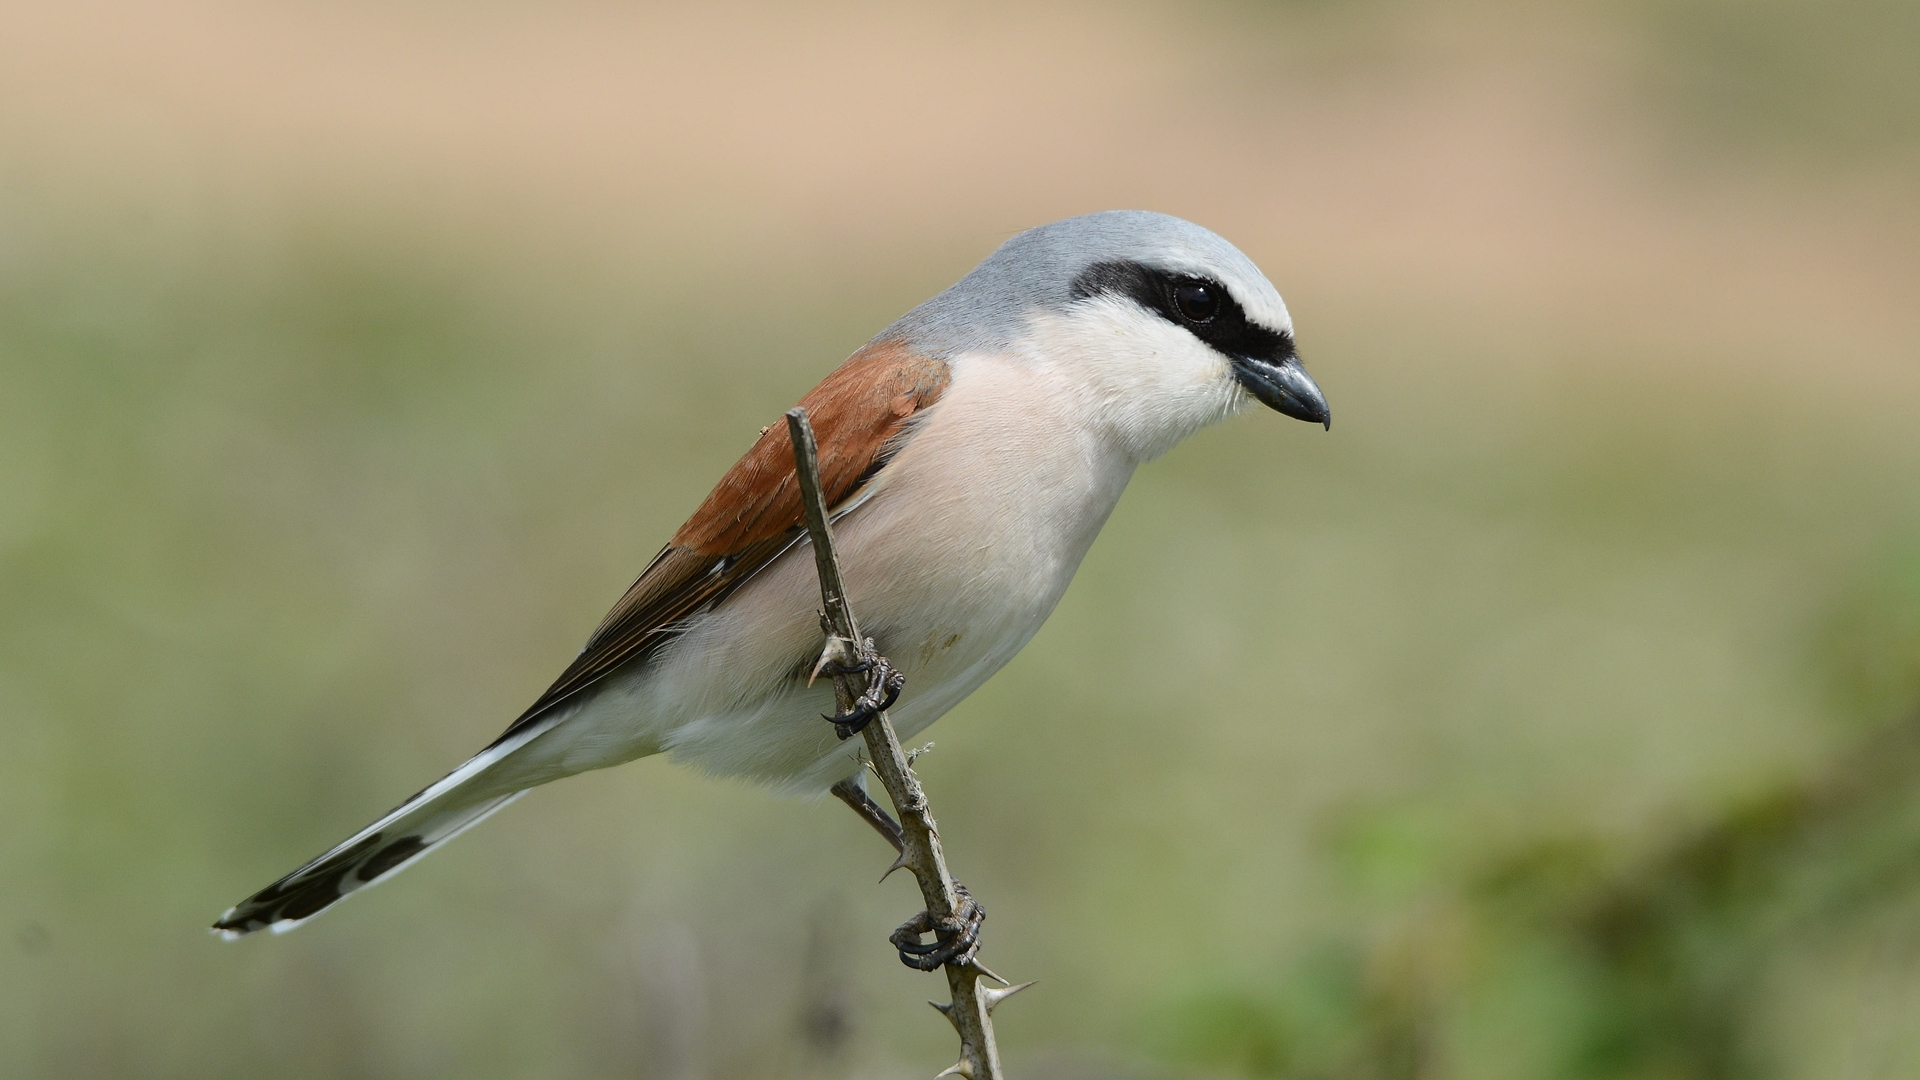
x=836, y=649
x=947, y=1011
x=995, y=997
x=963, y=1067
x=898, y=862
x=988, y=972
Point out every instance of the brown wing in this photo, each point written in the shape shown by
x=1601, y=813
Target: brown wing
x=754, y=513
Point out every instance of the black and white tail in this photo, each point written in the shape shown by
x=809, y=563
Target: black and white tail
x=454, y=804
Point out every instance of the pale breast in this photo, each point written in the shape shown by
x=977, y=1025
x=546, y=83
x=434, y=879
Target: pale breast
x=961, y=550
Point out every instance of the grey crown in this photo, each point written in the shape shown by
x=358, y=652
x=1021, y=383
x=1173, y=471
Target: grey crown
x=987, y=309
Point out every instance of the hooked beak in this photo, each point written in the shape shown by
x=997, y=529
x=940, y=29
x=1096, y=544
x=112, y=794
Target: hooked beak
x=1284, y=387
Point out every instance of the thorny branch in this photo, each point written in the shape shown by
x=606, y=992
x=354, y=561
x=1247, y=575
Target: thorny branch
x=919, y=841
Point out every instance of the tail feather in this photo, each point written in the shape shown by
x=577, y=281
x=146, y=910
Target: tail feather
x=457, y=802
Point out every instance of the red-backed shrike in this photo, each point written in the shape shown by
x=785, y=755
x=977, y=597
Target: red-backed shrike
x=970, y=453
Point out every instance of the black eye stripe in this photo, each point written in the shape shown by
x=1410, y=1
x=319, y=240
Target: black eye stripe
x=1228, y=330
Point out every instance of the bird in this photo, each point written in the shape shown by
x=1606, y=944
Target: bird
x=969, y=454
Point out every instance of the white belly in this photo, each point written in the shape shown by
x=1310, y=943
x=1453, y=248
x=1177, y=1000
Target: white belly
x=965, y=545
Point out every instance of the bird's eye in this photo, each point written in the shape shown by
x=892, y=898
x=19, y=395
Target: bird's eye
x=1196, y=302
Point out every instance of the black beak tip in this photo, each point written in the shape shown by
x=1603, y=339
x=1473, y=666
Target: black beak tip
x=1304, y=408
x=1287, y=389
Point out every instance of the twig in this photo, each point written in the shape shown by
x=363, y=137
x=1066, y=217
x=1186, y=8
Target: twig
x=972, y=1005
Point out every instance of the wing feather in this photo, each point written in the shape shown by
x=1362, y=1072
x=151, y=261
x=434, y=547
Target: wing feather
x=859, y=414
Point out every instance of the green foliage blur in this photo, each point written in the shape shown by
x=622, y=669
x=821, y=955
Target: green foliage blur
x=1556, y=715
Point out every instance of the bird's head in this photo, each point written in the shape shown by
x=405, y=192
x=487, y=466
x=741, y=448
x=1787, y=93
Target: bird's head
x=1167, y=324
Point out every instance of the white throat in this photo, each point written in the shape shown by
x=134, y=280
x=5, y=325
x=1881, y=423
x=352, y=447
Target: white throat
x=1147, y=383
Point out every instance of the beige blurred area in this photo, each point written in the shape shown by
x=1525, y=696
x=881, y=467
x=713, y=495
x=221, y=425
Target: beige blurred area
x=1460, y=154
x=1554, y=715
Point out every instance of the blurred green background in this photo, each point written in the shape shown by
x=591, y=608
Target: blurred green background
x=1557, y=715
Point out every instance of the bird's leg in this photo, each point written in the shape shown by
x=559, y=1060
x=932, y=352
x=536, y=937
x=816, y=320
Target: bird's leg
x=956, y=939
x=852, y=792
x=883, y=689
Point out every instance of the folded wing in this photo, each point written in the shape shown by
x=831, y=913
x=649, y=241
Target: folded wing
x=859, y=413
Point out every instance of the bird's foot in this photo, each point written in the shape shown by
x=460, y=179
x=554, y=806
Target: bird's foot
x=883, y=689
x=955, y=940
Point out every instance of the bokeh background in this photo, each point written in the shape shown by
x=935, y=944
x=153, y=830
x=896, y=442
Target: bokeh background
x=1553, y=716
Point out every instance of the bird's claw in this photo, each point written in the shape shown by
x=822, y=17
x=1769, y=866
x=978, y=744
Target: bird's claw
x=956, y=939
x=883, y=689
